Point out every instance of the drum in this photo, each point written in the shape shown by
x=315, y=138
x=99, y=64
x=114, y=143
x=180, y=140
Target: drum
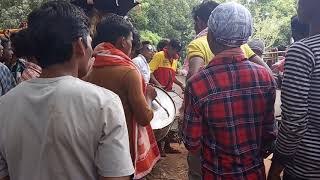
x=164, y=110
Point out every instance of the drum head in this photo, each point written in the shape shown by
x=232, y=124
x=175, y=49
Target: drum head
x=162, y=117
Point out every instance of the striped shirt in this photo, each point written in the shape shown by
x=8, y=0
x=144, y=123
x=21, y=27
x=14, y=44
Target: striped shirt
x=298, y=142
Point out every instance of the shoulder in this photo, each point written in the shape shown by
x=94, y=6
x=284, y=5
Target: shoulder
x=201, y=41
x=4, y=69
x=159, y=55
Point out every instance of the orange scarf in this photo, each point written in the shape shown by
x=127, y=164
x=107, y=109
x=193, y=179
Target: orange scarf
x=146, y=151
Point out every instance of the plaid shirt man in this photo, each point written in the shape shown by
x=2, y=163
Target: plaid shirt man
x=7, y=81
x=230, y=115
x=32, y=71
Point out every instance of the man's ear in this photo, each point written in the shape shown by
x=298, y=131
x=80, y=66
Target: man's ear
x=79, y=48
x=120, y=43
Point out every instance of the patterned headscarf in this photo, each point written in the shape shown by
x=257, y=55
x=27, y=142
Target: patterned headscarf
x=231, y=24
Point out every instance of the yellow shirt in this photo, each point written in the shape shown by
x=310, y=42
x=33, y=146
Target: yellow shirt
x=200, y=48
x=160, y=61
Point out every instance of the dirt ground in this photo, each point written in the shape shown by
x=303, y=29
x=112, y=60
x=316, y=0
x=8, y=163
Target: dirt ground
x=172, y=167
x=175, y=166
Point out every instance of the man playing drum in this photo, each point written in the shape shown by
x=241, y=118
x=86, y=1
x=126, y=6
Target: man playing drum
x=163, y=68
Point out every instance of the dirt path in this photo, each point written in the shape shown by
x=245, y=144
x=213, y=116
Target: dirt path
x=172, y=167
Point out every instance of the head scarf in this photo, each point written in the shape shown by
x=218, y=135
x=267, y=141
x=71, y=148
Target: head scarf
x=231, y=24
x=257, y=44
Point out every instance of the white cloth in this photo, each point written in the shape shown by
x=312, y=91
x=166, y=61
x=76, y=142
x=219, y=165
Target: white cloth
x=62, y=128
x=143, y=66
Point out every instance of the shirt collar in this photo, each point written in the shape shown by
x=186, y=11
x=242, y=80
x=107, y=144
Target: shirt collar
x=141, y=56
x=229, y=56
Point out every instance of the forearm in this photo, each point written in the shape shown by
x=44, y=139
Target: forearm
x=154, y=81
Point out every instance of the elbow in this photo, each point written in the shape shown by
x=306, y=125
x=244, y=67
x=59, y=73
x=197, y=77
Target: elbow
x=145, y=118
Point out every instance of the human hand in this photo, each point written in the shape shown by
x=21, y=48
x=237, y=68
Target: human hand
x=151, y=92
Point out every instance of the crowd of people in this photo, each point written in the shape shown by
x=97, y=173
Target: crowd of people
x=76, y=104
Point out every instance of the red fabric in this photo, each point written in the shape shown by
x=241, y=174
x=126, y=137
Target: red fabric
x=32, y=71
x=146, y=152
x=165, y=76
x=230, y=108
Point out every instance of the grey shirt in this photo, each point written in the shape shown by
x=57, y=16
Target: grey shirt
x=62, y=129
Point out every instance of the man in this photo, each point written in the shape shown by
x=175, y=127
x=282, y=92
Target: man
x=31, y=70
x=163, y=66
x=198, y=51
x=257, y=46
x=297, y=149
x=230, y=104
x=7, y=81
x=15, y=65
x=142, y=60
x=62, y=127
x=299, y=31
x=114, y=70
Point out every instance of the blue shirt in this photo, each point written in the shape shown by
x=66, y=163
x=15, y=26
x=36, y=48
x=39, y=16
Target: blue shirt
x=7, y=81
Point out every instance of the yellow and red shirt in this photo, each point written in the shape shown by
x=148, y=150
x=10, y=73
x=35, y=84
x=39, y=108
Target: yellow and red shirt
x=164, y=69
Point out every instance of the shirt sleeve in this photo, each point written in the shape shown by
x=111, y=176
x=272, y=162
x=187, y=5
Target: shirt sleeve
x=113, y=157
x=193, y=50
x=7, y=81
x=247, y=51
x=191, y=128
x=294, y=97
x=155, y=62
x=137, y=101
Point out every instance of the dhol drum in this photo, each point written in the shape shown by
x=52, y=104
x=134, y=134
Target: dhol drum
x=164, y=110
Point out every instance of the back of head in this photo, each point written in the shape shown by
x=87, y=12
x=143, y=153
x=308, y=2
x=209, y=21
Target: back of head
x=52, y=29
x=257, y=44
x=162, y=44
x=175, y=44
x=203, y=10
x=111, y=28
x=299, y=30
x=230, y=24
x=4, y=41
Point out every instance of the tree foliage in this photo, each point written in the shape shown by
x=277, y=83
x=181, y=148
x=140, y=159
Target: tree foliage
x=158, y=19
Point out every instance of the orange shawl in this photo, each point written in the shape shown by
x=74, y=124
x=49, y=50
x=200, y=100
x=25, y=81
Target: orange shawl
x=146, y=152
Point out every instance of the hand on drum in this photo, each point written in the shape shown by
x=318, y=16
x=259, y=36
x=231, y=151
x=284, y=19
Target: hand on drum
x=151, y=92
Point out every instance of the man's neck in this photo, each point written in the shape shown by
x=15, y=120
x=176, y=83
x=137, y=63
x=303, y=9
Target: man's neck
x=58, y=70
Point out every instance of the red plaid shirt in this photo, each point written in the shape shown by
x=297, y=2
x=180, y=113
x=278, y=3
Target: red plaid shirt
x=32, y=71
x=229, y=114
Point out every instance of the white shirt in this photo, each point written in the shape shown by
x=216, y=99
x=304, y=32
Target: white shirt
x=143, y=66
x=62, y=128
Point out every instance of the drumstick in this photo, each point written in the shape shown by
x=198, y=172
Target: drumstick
x=162, y=107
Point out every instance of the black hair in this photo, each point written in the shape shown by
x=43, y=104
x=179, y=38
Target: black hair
x=4, y=42
x=299, y=30
x=282, y=48
x=162, y=44
x=143, y=43
x=111, y=28
x=175, y=44
x=136, y=43
x=20, y=44
x=52, y=28
x=203, y=10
